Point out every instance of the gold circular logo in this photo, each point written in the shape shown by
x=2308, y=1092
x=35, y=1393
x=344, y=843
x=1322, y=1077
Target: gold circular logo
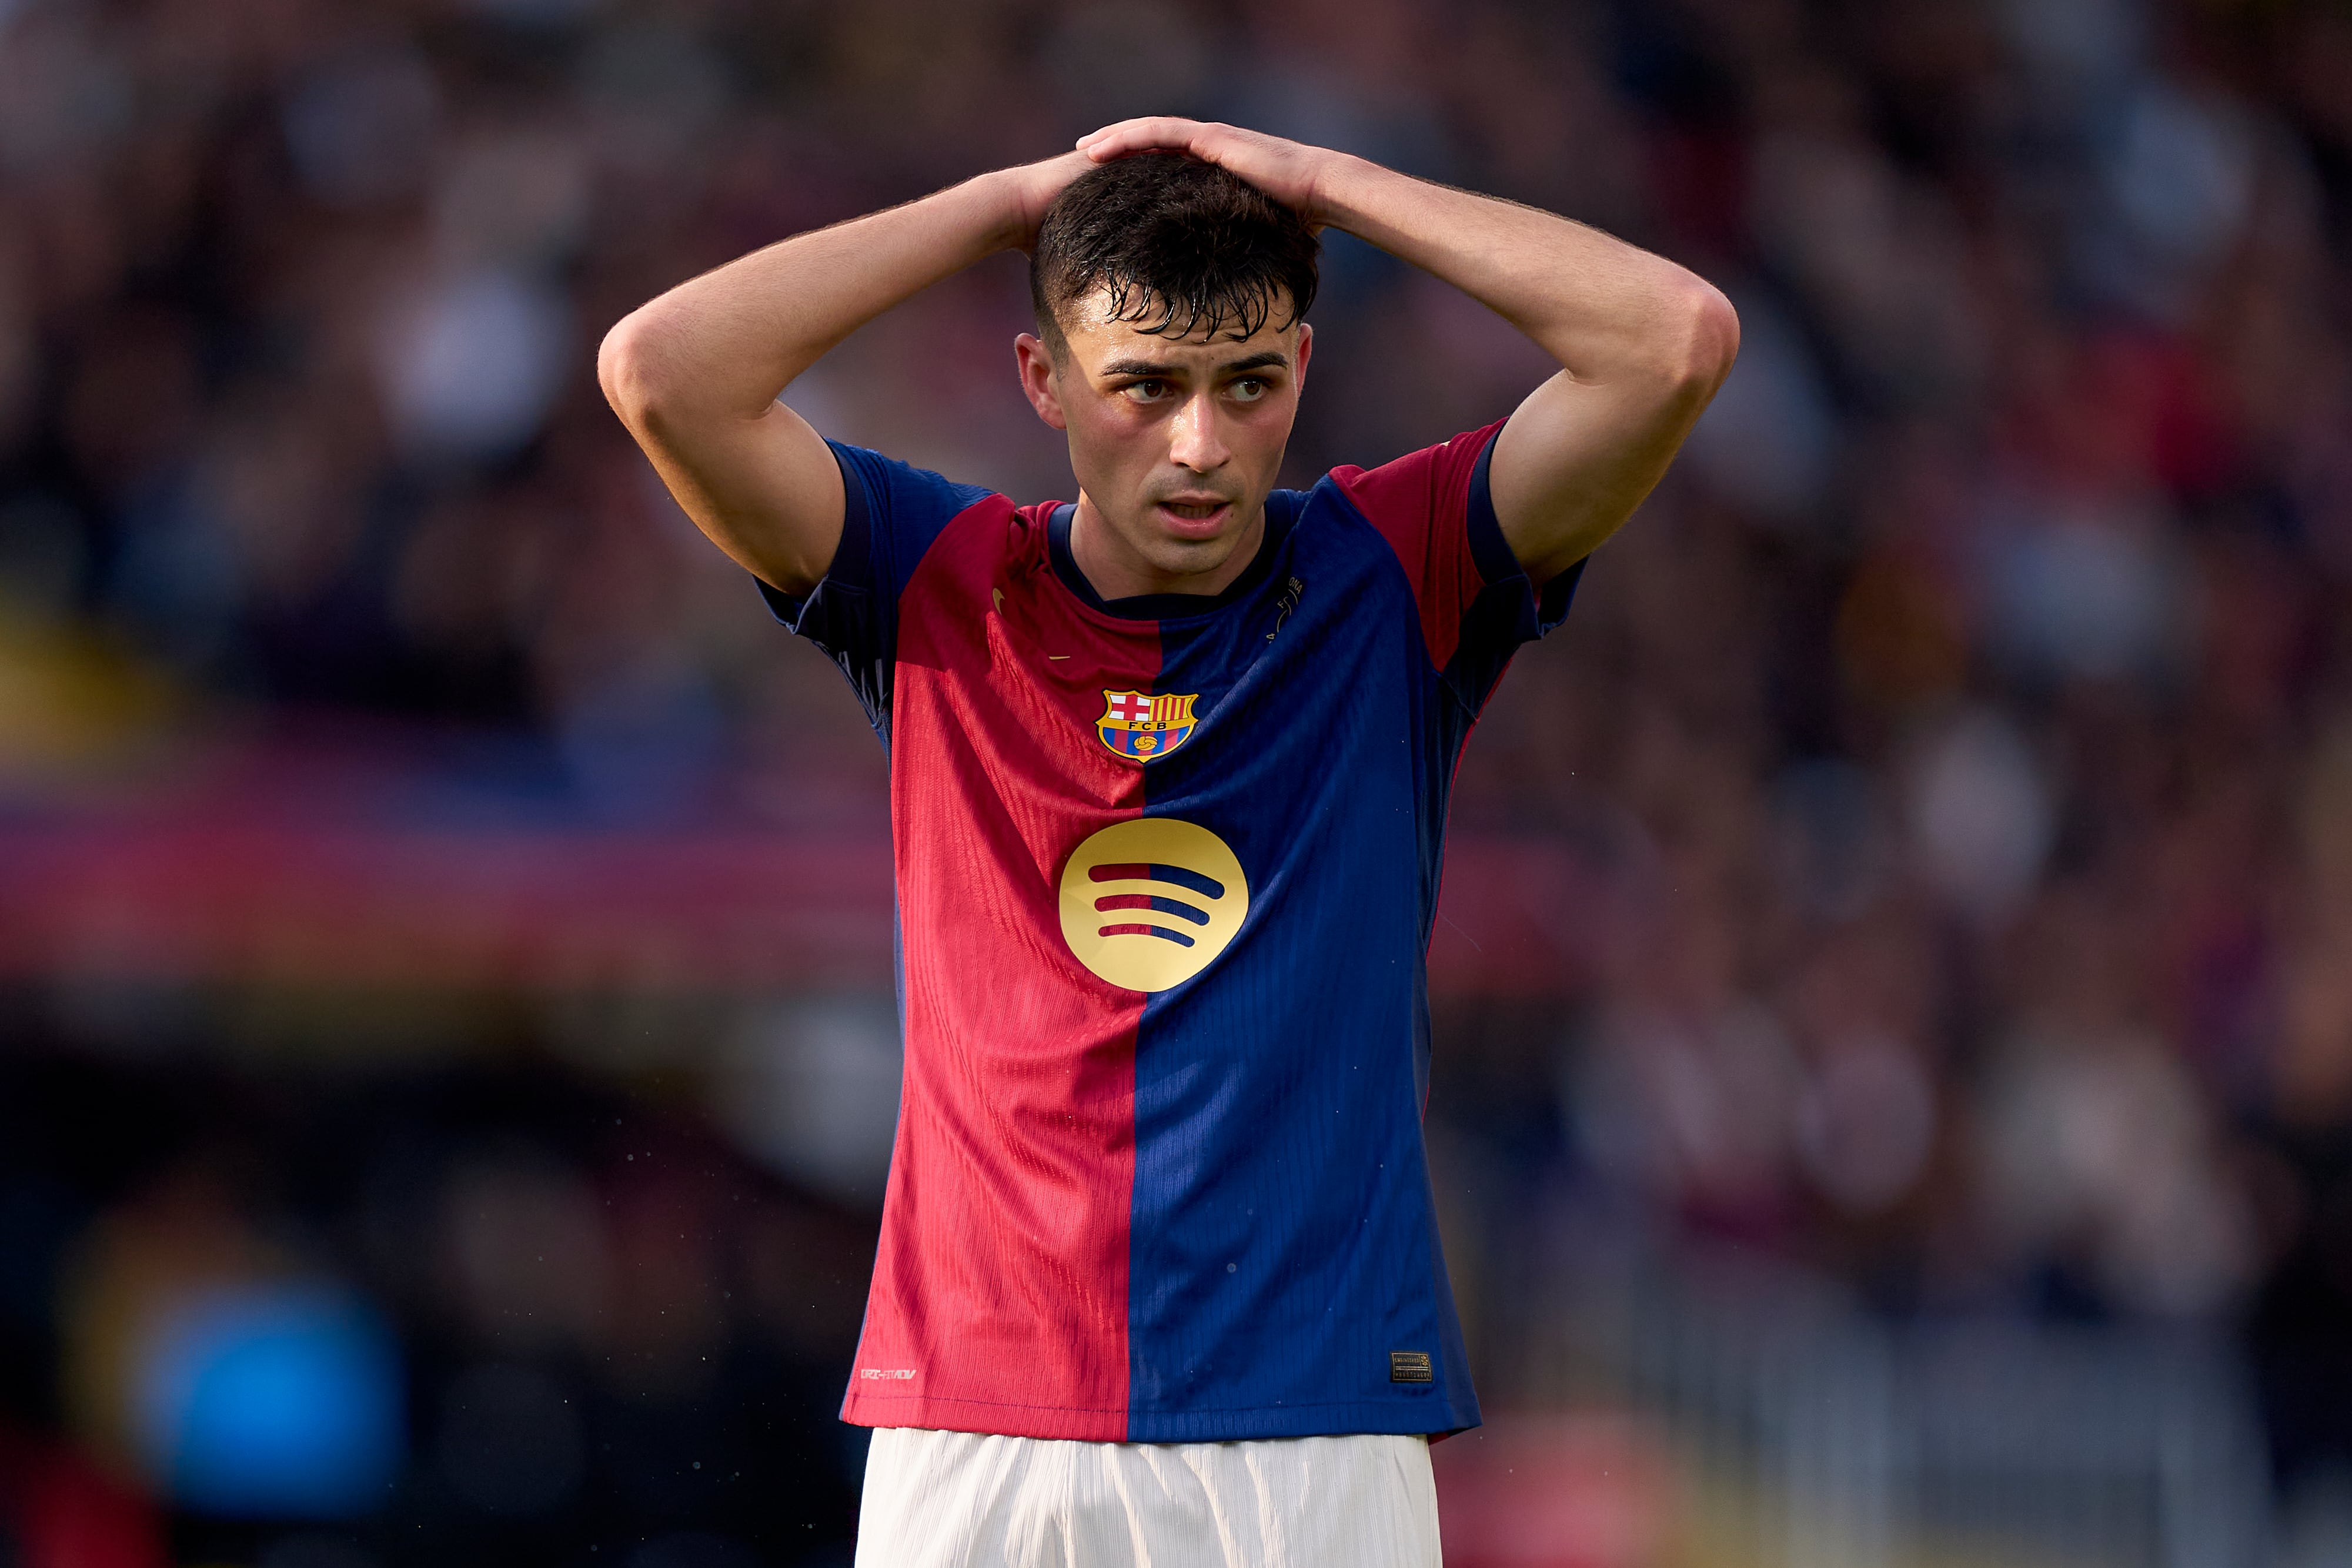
x=1149, y=903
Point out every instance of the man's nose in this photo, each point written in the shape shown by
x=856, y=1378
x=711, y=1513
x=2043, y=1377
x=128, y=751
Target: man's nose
x=1194, y=441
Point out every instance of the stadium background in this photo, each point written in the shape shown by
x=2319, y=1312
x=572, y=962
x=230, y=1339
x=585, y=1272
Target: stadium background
x=1893, y=1098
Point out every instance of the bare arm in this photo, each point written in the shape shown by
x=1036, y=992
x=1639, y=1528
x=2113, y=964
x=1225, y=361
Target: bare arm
x=1641, y=344
x=696, y=372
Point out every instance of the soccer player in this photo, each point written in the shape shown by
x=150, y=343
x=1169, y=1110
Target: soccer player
x=1158, y=1279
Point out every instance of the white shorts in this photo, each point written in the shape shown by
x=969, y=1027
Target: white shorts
x=965, y=1499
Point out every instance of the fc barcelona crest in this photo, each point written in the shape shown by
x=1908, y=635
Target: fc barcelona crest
x=1140, y=726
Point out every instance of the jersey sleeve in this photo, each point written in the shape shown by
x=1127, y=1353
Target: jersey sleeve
x=1476, y=602
x=891, y=511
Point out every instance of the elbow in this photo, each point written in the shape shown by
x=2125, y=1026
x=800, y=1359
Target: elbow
x=661, y=367
x=1705, y=340
x=625, y=362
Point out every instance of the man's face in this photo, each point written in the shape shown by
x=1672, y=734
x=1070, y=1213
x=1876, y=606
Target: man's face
x=1175, y=442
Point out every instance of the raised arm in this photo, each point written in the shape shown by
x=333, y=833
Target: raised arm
x=1641, y=344
x=696, y=373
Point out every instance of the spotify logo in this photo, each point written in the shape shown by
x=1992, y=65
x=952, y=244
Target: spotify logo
x=1149, y=903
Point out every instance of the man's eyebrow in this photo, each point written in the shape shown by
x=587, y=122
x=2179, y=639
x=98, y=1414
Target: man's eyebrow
x=1148, y=368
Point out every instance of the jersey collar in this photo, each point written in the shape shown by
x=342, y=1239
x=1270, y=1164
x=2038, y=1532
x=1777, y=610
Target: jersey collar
x=1280, y=506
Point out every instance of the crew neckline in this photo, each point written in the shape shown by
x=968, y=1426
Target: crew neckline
x=1168, y=606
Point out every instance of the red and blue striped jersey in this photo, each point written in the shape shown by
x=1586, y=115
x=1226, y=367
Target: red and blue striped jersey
x=1166, y=869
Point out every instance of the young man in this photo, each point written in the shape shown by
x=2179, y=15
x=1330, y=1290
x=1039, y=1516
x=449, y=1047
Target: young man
x=1159, y=1277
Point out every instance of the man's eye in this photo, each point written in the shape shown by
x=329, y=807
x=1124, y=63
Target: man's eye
x=1147, y=390
x=1249, y=388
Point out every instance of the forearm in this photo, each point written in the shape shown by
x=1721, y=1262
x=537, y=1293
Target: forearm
x=698, y=375
x=730, y=341
x=1605, y=310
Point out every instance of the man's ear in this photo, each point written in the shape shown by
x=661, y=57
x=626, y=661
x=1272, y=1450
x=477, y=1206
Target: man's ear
x=1037, y=379
x=1305, y=352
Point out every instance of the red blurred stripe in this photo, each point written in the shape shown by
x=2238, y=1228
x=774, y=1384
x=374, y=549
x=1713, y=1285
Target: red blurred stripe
x=244, y=903
x=240, y=901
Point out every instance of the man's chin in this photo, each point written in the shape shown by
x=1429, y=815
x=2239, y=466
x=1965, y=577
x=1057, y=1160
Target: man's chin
x=1195, y=551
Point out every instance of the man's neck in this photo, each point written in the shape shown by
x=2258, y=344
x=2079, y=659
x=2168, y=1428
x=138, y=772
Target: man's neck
x=1115, y=572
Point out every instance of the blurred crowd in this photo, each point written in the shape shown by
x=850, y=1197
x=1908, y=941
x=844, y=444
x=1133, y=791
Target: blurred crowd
x=483, y=1313
x=1958, y=745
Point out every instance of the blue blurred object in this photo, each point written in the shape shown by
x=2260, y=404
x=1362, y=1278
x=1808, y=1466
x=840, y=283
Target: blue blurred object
x=273, y=1401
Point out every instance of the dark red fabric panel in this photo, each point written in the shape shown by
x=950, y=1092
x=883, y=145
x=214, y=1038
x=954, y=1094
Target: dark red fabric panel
x=1420, y=504
x=1000, y=1298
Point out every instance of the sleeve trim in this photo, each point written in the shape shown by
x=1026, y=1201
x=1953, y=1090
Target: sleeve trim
x=851, y=561
x=1500, y=564
x=1489, y=549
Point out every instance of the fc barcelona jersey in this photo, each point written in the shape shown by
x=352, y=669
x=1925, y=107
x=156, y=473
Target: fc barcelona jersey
x=1166, y=869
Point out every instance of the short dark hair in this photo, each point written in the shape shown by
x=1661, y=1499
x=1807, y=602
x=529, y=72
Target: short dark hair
x=1179, y=244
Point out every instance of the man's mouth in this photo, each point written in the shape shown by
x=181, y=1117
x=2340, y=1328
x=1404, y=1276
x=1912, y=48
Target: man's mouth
x=1194, y=515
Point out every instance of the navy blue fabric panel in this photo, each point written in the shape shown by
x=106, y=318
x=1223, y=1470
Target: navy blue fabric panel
x=1508, y=611
x=1284, y=1243
x=891, y=511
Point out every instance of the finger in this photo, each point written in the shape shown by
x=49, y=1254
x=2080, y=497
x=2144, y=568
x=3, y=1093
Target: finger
x=1129, y=146
x=1116, y=141
x=1139, y=136
x=1152, y=125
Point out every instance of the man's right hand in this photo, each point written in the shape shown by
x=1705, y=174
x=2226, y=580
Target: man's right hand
x=1031, y=188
